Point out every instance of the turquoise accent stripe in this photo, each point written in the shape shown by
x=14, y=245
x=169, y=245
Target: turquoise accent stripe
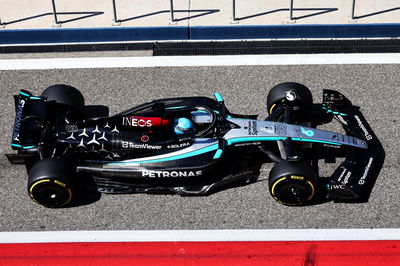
x=218, y=154
x=35, y=98
x=23, y=93
x=252, y=139
x=28, y=147
x=315, y=140
x=176, y=157
x=218, y=96
x=20, y=146
x=175, y=107
x=334, y=112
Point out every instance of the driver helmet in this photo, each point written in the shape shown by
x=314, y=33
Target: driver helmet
x=183, y=126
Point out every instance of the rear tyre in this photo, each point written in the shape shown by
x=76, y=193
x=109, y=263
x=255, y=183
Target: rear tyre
x=65, y=96
x=50, y=183
x=295, y=94
x=293, y=183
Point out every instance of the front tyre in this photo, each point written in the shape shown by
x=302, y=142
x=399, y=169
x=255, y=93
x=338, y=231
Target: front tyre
x=50, y=183
x=293, y=183
x=296, y=95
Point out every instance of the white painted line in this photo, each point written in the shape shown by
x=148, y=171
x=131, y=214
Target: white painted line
x=187, y=61
x=201, y=235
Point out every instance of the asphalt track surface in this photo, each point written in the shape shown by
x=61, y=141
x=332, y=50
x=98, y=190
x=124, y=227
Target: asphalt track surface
x=373, y=87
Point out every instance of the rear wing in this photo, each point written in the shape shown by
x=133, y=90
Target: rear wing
x=355, y=177
x=29, y=110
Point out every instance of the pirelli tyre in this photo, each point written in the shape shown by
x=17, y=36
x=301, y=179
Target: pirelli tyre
x=65, y=96
x=293, y=183
x=50, y=183
x=295, y=94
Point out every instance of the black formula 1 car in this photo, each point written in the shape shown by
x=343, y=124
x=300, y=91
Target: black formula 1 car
x=58, y=138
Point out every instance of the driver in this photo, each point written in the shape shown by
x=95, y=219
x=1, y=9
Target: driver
x=183, y=126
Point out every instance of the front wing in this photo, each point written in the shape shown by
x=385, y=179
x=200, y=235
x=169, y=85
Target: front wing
x=354, y=178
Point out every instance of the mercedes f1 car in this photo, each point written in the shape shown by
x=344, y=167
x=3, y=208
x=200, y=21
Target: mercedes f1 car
x=147, y=149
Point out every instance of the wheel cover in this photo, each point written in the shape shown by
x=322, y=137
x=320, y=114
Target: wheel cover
x=50, y=193
x=293, y=190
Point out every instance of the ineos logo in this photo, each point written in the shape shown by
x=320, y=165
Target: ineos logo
x=136, y=122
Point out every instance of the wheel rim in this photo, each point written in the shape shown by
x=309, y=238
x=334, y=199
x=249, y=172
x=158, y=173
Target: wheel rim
x=50, y=193
x=272, y=108
x=301, y=112
x=291, y=191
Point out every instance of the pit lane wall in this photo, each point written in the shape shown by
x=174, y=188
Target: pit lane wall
x=209, y=40
x=187, y=33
